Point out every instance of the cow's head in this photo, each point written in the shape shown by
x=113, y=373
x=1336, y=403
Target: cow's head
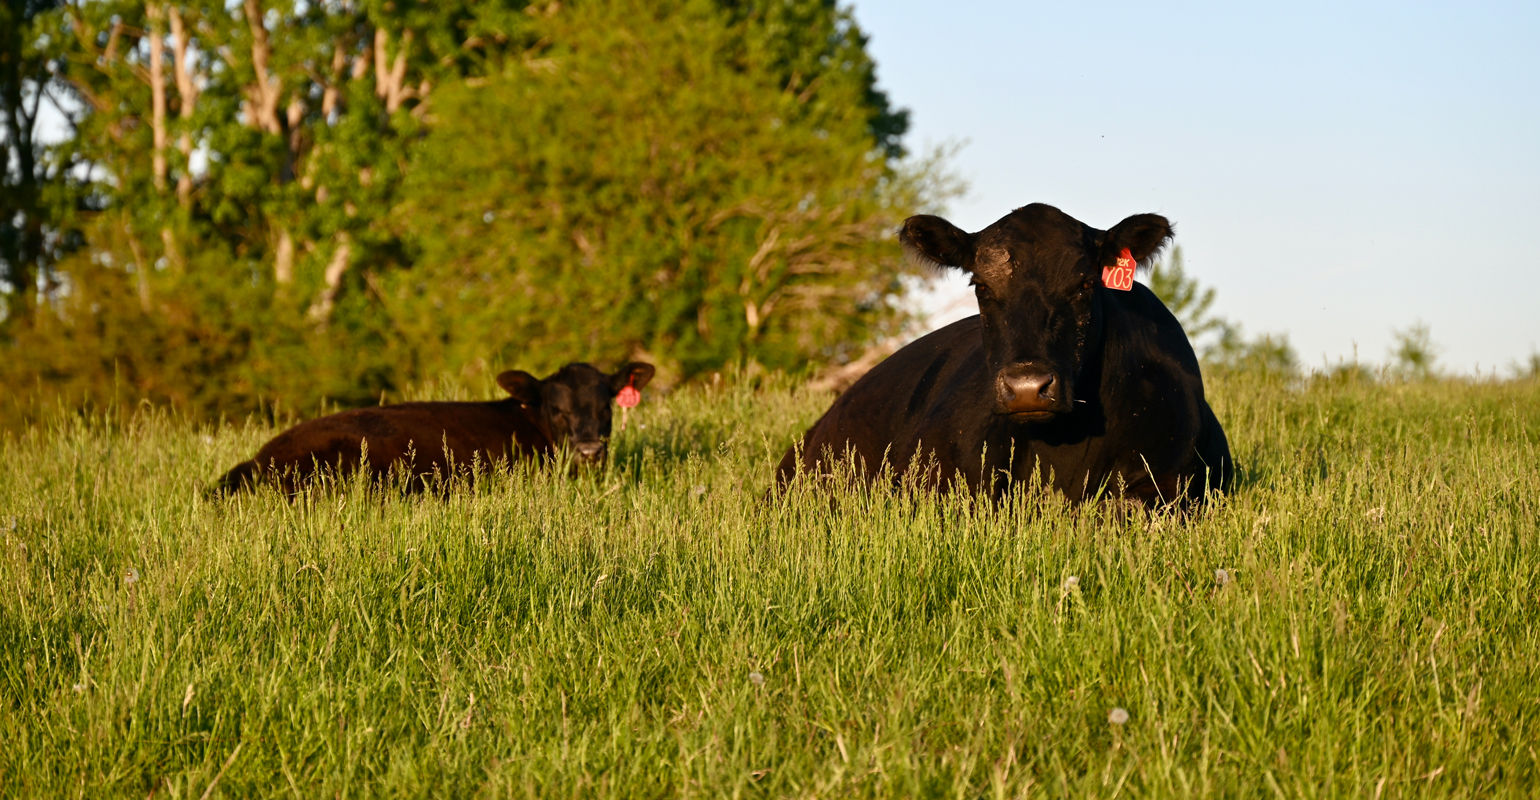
x=573, y=405
x=1037, y=273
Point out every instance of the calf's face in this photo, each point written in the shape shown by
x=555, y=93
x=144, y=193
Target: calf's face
x=1037, y=275
x=574, y=404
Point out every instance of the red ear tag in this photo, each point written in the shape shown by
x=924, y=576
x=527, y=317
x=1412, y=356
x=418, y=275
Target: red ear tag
x=628, y=397
x=1120, y=276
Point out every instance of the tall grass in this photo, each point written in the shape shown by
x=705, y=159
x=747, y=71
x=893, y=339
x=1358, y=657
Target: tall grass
x=665, y=628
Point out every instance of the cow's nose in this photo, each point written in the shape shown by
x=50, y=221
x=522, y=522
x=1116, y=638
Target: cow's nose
x=1029, y=392
x=589, y=451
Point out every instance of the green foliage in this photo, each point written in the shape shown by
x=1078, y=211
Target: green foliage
x=807, y=43
x=1414, y=355
x=543, y=636
x=1269, y=353
x=641, y=194
x=255, y=219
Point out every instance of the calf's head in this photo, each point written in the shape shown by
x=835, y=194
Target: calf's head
x=1037, y=274
x=573, y=405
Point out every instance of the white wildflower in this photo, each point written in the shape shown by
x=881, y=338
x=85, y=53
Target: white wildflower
x=1222, y=577
x=1071, y=583
x=131, y=577
x=1117, y=716
x=757, y=679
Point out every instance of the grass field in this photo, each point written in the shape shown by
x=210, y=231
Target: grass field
x=662, y=629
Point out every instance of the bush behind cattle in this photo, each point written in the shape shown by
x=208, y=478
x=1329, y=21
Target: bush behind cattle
x=660, y=628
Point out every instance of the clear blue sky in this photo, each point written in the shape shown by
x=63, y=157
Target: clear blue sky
x=1335, y=170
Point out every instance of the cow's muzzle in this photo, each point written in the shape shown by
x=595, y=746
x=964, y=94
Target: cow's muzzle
x=588, y=452
x=1026, y=393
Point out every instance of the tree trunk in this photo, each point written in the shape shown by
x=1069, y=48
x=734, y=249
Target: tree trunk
x=187, y=89
x=157, y=94
x=24, y=250
x=262, y=97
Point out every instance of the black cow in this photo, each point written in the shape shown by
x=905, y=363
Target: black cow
x=1094, y=389
x=569, y=409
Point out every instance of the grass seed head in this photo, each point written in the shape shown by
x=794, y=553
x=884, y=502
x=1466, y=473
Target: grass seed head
x=1222, y=577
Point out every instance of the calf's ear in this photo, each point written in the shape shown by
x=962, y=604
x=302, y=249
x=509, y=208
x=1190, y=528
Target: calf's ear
x=521, y=386
x=933, y=242
x=635, y=374
x=1142, y=235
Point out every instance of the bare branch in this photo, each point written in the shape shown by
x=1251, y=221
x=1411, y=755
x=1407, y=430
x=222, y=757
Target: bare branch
x=398, y=75
x=283, y=263
x=321, y=310
x=389, y=79
x=264, y=95
x=381, y=64
x=361, y=64
x=112, y=42
x=185, y=86
x=329, y=97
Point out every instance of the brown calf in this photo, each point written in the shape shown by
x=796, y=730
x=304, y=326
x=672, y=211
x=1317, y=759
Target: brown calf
x=568, y=409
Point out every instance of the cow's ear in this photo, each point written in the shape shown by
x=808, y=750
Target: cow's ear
x=521, y=386
x=933, y=242
x=1142, y=235
x=635, y=374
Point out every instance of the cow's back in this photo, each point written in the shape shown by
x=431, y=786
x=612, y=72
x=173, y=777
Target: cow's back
x=422, y=436
x=899, y=408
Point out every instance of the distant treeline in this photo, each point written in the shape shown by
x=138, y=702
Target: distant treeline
x=298, y=201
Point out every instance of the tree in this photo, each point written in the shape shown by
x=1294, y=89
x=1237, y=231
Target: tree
x=652, y=187
x=242, y=158
x=806, y=42
x=28, y=62
x=236, y=173
x=1414, y=355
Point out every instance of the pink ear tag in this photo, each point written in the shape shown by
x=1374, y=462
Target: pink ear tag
x=627, y=398
x=1121, y=275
